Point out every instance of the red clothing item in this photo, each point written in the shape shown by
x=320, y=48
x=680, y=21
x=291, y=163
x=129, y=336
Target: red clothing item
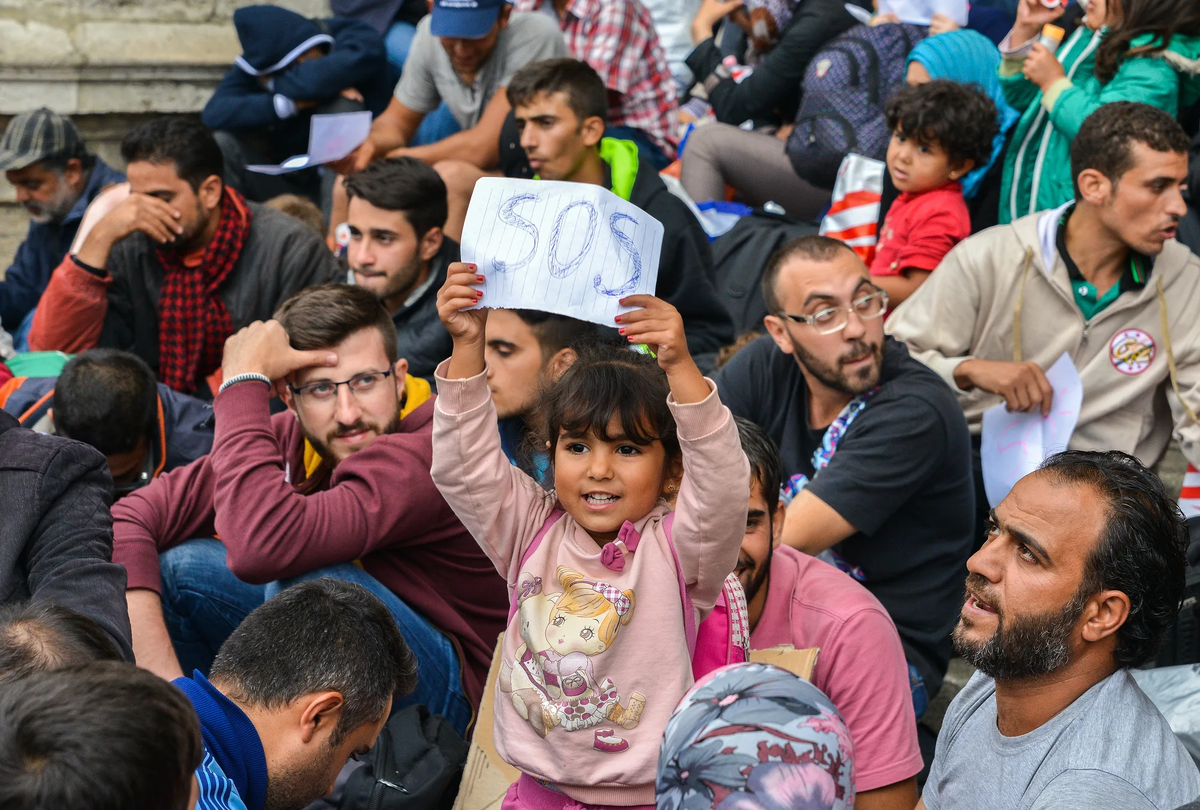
x=920, y=229
x=379, y=506
x=70, y=314
x=193, y=320
x=5, y=374
x=860, y=667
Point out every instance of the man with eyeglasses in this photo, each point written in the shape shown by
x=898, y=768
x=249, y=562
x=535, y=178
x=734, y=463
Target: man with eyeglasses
x=876, y=454
x=338, y=486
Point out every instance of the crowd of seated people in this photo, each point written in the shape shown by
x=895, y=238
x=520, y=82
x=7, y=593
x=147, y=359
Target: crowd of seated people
x=278, y=481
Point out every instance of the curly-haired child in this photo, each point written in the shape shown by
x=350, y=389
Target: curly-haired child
x=941, y=130
x=608, y=581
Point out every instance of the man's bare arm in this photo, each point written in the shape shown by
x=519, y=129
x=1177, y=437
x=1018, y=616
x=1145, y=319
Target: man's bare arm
x=392, y=129
x=900, y=796
x=812, y=525
x=152, y=646
x=479, y=145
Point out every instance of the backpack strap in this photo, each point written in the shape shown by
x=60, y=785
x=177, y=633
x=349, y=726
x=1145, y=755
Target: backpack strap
x=551, y=519
x=34, y=412
x=689, y=612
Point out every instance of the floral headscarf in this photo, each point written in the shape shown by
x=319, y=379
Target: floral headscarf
x=755, y=737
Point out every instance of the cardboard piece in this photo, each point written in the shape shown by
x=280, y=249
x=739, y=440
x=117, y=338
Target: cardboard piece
x=486, y=777
x=798, y=662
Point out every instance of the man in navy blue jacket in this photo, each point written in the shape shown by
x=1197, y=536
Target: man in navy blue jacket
x=56, y=179
x=292, y=67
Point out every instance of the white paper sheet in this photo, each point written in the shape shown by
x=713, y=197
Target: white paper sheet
x=859, y=13
x=1014, y=444
x=920, y=12
x=330, y=137
x=570, y=248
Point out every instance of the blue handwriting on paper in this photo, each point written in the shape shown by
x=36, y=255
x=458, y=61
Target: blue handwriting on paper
x=511, y=217
x=625, y=243
x=558, y=267
x=563, y=269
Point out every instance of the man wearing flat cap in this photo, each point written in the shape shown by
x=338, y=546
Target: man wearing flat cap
x=46, y=161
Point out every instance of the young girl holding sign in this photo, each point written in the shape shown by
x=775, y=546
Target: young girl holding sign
x=607, y=581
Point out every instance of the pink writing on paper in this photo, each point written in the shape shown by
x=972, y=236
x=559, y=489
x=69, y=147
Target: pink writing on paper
x=1015, y=443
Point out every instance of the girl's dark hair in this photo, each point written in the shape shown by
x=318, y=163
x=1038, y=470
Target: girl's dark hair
x=611, y=380
x=1161, y=18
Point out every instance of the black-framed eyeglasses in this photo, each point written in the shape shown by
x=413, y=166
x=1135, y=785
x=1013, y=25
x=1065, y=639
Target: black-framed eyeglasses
x=326, y=390
x=828, y=320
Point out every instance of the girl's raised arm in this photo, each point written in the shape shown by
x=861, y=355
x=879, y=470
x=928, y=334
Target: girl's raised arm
x=660, y=326
x=500, y=506
x=710, y=513
x=466, y=326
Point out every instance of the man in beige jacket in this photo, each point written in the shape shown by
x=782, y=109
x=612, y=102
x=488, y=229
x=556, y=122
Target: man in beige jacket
x=1101, y=278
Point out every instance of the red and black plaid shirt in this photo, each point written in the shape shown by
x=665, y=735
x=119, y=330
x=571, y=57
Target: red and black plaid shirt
x=617, y=38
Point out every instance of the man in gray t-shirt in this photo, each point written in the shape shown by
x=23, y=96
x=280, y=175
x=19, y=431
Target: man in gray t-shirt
x=463, y=54
x=1109, y=749
x=1082, y=572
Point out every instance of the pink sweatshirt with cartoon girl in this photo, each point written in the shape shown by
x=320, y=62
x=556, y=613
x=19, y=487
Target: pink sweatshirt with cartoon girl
x=596, y=656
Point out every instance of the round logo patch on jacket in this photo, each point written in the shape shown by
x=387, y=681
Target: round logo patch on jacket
x=1131, y=351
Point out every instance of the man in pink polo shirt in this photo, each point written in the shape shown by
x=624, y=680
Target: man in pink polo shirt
x=799, y=600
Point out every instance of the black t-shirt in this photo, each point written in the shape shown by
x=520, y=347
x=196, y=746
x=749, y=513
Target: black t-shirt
x=901, y=475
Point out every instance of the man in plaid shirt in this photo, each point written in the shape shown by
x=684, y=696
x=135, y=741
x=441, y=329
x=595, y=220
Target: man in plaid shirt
x=617, y=38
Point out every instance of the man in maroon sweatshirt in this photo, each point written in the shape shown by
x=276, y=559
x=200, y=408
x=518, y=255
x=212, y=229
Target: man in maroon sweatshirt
x=337, y=486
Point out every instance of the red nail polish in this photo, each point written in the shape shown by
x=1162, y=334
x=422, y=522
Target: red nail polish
x=479, y=278
x=621, y=330
x=617, y=319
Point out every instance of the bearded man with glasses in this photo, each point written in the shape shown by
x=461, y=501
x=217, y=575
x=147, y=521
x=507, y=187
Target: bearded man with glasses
x=876, y=454
x=337, y=486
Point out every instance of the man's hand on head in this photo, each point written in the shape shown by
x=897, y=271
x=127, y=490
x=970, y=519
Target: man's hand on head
x=137, y=212
x=263, y=348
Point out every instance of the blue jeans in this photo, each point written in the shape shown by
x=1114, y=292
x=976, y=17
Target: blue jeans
x=203, y=602
x=436, y=126
x=398, y=41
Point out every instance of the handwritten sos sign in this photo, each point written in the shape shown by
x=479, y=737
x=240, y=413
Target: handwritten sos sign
x=569, y=248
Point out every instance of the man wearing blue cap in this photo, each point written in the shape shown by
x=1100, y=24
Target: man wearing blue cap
x=290, y=68
x=463, y=56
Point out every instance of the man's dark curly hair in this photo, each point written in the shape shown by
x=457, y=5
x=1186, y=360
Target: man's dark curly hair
x=959, y=118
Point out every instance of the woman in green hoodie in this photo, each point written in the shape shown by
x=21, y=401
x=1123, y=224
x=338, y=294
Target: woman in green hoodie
x=1126, y=50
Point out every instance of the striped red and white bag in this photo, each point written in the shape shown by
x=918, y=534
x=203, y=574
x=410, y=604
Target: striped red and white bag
x=854, y=212
x=1189, y=496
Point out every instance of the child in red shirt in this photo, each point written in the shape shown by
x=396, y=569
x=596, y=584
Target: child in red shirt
x=941, y=130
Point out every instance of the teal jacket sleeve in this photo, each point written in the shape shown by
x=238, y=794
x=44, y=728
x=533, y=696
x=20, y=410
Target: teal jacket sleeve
x=1148, y=79
x=1019, y=92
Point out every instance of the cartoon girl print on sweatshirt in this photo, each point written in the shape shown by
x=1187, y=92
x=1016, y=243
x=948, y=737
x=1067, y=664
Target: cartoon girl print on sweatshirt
x=552, y=681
